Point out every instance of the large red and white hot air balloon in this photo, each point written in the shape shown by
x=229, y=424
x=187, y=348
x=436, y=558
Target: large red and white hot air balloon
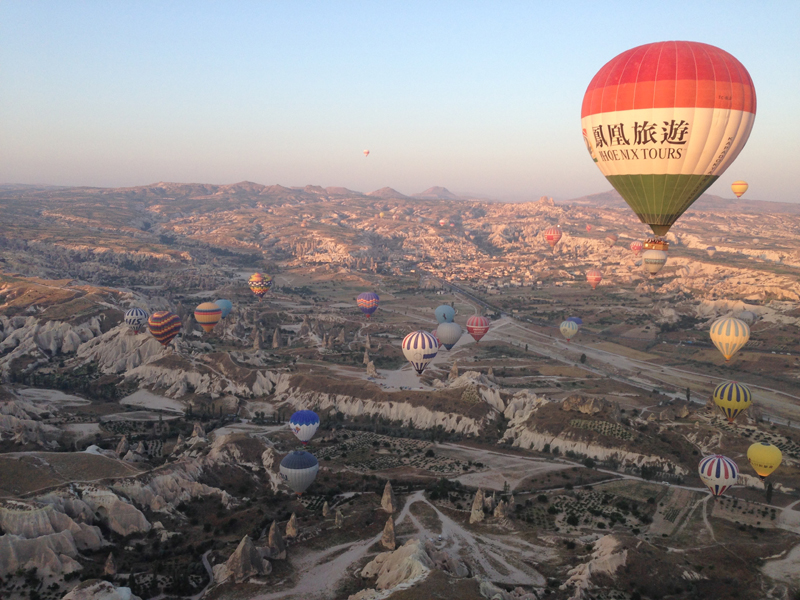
x=663, y=121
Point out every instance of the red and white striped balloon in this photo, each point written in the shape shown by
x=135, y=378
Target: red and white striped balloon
x=594, y=277
x=477, y=327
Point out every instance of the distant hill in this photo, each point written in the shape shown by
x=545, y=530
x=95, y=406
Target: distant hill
x=437, y=193
x=706, y=203
x=386, y=192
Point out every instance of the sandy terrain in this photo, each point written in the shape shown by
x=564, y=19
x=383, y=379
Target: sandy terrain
x=146, y=399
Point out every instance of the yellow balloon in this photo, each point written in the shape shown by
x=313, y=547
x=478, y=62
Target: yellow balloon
x=729, y=335
x=739, y=188
x=764, y=458
x=732, y=399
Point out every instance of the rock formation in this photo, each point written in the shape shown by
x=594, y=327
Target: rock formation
x=326, y=510
x=339, y=522
x=277, y=547
x=453, y=371
x=369, y=345
x=340, y=339
x=606, y=559
x=258, y=340
x=366, y=356
x=291, y=527
x=245, y=562
x=277, y=340
x=388, y=503
x=501, y=510
x=110, y=568
x=371, y=371
x=96, y=589
x=476, y=515
x=123, y=446
x=387, y=539
x=405, y=565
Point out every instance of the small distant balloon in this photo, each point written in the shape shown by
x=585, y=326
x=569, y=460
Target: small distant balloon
x=732, y=399
x=594, y=277
x=636, y=247
x=718, y=473
x=568, y=329
x=366, y=153
x=764, y=458
x=207, y=315
x=304, y=424
x=449, y=334
x=225, y=305
x=729, y=335
x=552, y=235
x=739, y=188
x=368, y=302
x=711, y=251
x=477, y=327
x=135, y=318
x=444, y=313
x=299, y=470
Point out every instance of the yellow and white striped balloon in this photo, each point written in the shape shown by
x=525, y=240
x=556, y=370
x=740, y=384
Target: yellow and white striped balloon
x=729, y=335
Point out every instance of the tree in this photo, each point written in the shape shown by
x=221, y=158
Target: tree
x=583, y=359
x=769, y=493
x=688, y=395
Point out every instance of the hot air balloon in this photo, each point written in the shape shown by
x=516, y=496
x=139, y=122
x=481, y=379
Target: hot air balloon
x=718, y=473
x=135, y=318
x=588, y=228
x=299, y=470
x=448, y=334
x=304, y=424
x=764, y=458
x=663, y=121
x=577, y=320
x=732, y=399
x=445, y=313
x=207, y=315
x=260, y=284
x=164, y=326
x=366, y=153
x=636, y=247
x=420, y=348
x=368, y=302
x=739, y=188
x=381, y=214
x=594, y=277
x=477, y=327
x=225, y=305
x=442, y=222
x=711, y=251
x=611, y=239
x=654, y=260
x=729, y=335
x=552, y=235
x=568, y=329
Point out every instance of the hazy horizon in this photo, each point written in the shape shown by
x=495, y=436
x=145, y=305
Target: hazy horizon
x=482, y=100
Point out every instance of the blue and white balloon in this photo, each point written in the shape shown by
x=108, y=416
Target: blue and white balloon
x=135, y=318
x=299, y=470
x=445, y=313
x=420, y=348
x=225, y=305
x=304, y=424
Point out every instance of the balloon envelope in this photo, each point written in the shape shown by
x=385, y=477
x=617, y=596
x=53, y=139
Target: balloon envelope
x=164, y=326
x=711, y=251
x=225, y=305
x=739, y=188
x=611, y=239
x=568, y=329
x=304, y=424
x=445, y=313
x=552, y=235
x=732, y=399
x=299, y=470
x=366, y=153
x=636, y=247
x=448, y=334
x=478, y=326
x=260, y=284
x=718, y=473
x=368, y=302
x=729, y=335
x=654, y=260
x=207, y=315
x=135, y=318
x=658, y=124
x=420, y=348
x=594, y=277
x=764, y=458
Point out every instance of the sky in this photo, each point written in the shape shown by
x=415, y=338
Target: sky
x=480, y=97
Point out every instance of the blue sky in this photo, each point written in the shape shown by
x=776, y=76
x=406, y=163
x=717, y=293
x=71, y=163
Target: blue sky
x=479, y=97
